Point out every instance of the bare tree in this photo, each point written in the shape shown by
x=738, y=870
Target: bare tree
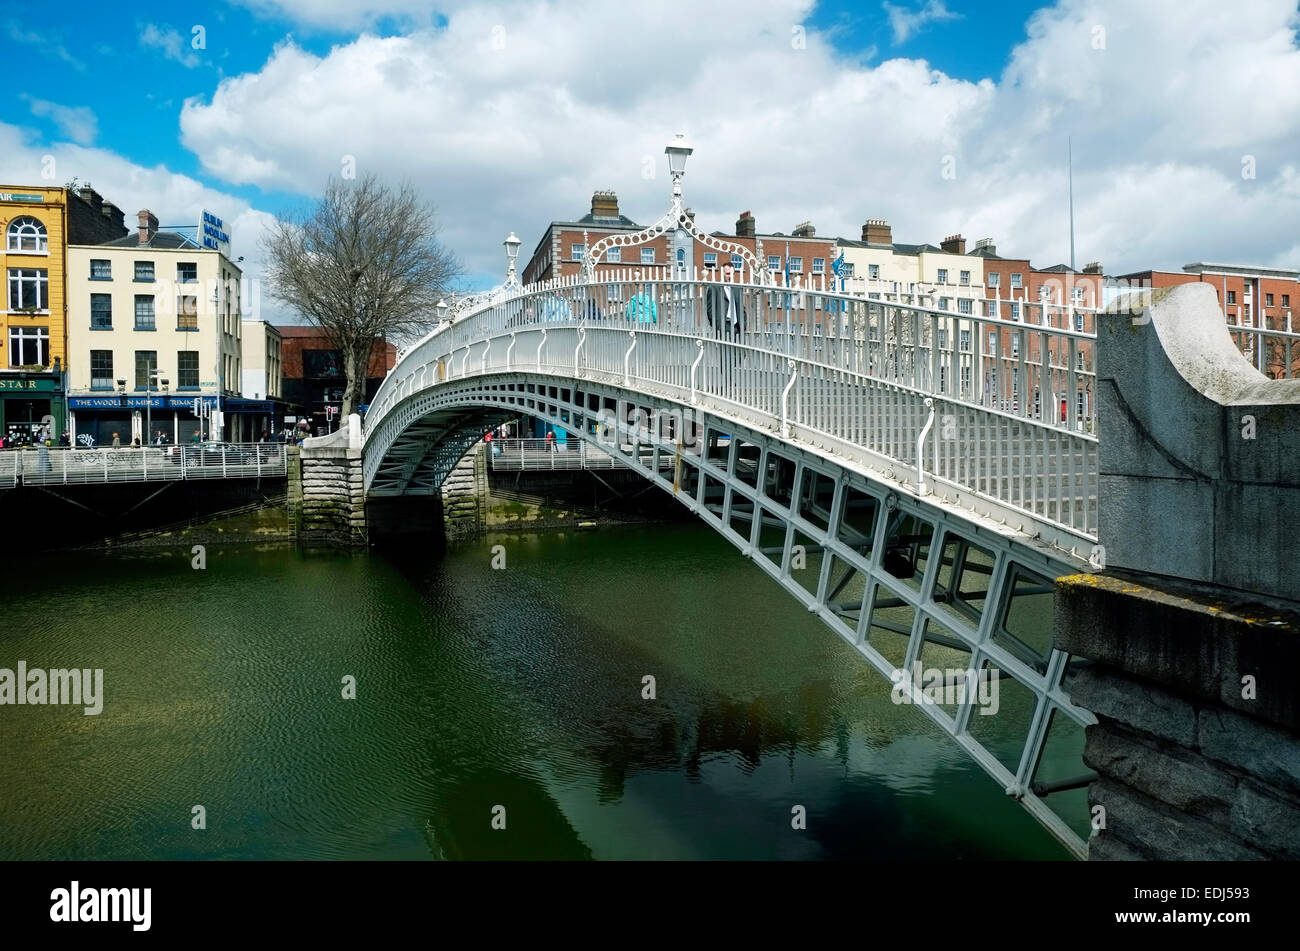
x=363, y=263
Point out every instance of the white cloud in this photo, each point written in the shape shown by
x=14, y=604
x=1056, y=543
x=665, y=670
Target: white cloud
x=506, y=129
x=906, y=22
x=175, y=198
x=77, y=123
x=172, y=45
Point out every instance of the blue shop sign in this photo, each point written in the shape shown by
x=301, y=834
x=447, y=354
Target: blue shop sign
x=139, y=402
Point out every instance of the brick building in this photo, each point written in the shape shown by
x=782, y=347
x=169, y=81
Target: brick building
x=560, y=250
x=313, y=377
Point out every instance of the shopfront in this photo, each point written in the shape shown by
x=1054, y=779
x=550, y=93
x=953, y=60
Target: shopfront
x=95, y=419
x=31, y=407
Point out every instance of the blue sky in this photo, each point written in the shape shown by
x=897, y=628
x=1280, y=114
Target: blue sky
x=581, y=94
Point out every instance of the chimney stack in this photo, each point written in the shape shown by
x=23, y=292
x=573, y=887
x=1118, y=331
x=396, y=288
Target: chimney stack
x=954, y=244
x=877, y=231
x=1092, y=267
x=604, y=204
x=745, y=225
x=148, y=225
x=804, y=229
x=986, y=244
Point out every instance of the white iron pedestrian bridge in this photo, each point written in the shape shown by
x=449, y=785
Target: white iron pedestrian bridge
x=917, y=477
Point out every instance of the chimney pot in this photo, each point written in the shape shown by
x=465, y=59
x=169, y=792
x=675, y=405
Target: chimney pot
x=148, y=225
x=804, y=229
x=604, y=204
x=877, y=231
x=954, y=244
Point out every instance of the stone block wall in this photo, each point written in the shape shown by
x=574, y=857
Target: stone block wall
x=464, y=495
x=333, y=490
x=1197, y=744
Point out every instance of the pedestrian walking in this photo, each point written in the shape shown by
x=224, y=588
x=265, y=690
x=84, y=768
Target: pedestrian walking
x=117, y=441
x=550, y=440
x=725, y=310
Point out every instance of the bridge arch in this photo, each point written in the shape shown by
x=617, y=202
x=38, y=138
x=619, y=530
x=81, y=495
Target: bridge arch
x=899, y=577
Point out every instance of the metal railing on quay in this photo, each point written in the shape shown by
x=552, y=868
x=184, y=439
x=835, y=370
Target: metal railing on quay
x=66, y=466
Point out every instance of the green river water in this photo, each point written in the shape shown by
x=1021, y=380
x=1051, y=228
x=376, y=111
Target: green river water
x=475, y=688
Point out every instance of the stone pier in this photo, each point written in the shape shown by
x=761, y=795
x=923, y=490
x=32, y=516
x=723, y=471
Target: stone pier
x=333, y=492
x=1194, y=624
x=464, y=494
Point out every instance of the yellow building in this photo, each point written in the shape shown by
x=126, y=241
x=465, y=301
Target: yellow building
x=33, y=324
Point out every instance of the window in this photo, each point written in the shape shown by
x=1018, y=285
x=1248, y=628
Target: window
x=710, y=259
x=846, y=269
x=943, y=275
x=614, y=256
x=101, y=311
x=101, y=270
x=145, y=361
x=992, y=279
x=993, y=340
x=187, y=369
x=28, y=288
x=963, y=339
x=943, y=302
x=1045, y=294
x=144, y=270
x=737, y=262
x=873, y=271
x=1015, y=345
x=819, y=266
x=144, y=312
x=1078, y=322
x=1015, y=310
x=647, y=255
x=774, y=262
x=1286, y=300
x=990, y=309
x=29, y=346
x=1268, y=300
x=187, y=313
x=575, y=252
x=1245, y=288
x=1077, y=294
x=27, y=234
x=187, y=273
x=943, y=340
x=964, y=305
x=101, y=369
x=1015, y=280
x=965, y=277
x=965, y=379
x=1232, y=297
x=796, y=264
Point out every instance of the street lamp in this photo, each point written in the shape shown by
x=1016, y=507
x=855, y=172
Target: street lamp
x=511, y=245
x=442, y=309
x=678, y=150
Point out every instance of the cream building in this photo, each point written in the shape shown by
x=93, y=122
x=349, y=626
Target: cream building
x=944, y=276
x=154, y=328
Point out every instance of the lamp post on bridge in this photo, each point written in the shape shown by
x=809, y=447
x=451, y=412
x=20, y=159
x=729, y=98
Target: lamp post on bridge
x=511, y=244
x=676, y=219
